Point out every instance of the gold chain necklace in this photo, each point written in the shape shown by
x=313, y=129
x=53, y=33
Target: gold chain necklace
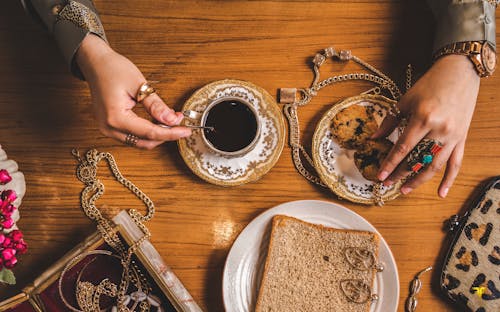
x=382, y=82
x=94, y=189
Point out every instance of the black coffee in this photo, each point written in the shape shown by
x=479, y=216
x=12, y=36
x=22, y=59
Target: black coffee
x=235, y=126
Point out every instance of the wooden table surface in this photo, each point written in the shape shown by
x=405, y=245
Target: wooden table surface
x=186, y=44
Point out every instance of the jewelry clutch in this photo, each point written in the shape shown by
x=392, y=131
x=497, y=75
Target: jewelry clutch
x=470, y=274
x=71, y=283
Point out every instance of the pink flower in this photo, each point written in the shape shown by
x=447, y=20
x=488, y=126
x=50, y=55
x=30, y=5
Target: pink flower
x=8, y=253
x=21, y=247
x=6, y=242
x=7, y=223
x=7, y=210
x=9, y=195
x=9, y=264
x=4, y=177
x=2, y=239
x=16, y=235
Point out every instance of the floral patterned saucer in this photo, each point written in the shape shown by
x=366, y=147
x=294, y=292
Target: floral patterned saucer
x=335, y=164
x=232, y=171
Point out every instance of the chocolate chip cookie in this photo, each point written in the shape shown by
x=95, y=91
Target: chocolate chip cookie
x=353, y=126
x=369, y=158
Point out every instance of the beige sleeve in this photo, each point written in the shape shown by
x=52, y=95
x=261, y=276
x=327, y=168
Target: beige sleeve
x=69, y=22
x=464, y=20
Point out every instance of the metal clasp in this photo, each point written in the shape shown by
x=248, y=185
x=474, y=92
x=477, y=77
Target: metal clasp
x=453, y=223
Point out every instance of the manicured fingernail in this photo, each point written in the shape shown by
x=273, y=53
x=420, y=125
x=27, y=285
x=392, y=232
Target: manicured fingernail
x=406, y=190
x=383, y=175
x=444, y=192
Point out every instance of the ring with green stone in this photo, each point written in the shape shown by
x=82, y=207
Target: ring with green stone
x=423, y=154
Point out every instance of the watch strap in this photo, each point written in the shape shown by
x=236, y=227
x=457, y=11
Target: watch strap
x=462, y=48
x=471, y=49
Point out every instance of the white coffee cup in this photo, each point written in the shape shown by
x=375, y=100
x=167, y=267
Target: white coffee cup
x=231, y=119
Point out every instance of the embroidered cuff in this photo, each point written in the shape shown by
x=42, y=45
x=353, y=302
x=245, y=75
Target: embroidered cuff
x=69, y=22
x=466, y=21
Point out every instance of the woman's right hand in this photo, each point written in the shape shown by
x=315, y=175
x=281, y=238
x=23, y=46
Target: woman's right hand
x=439, y=107
x=114, y=81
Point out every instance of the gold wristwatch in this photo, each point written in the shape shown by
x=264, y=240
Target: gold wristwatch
x=481, y=54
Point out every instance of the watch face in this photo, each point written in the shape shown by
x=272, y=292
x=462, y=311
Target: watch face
x=489, y=58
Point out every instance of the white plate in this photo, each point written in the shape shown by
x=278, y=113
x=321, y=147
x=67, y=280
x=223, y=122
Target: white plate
x=245, y=262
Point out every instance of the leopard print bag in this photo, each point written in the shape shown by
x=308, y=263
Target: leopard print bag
x=471, y=272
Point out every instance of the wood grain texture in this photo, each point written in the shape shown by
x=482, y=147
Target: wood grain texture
x=187, y=44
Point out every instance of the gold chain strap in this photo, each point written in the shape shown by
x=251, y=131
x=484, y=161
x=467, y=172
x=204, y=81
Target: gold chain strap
x=94, y=189
x=290, y=109
x=409, y=77
x=297, y=149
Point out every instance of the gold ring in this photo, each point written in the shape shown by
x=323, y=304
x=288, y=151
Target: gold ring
x=145, y=90
x=131, y=140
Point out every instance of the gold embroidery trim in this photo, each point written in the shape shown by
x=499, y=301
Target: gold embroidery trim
x=82, y=17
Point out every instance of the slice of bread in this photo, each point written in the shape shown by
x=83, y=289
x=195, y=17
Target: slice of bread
x=306, y=264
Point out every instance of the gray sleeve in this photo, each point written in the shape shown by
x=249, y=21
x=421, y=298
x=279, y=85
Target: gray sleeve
x=69, y=21
x=464, y=20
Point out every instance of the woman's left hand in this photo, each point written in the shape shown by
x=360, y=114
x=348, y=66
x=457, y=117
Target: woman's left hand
x=439, y=107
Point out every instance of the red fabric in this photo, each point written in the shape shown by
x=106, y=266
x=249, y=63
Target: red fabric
x=23, y=307
x=95, y=269
x=96, y=265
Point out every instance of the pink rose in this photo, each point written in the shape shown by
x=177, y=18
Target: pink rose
x=9, y=264
x=16, y=235
x=9, y=195
x=6, y=242
x=7, y=210
x=4, y=177
x=8, y=253
x=21, y=247
x=7, y=223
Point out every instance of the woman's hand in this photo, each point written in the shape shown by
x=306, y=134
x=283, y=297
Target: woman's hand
x=114, y=81
x=439, y=107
